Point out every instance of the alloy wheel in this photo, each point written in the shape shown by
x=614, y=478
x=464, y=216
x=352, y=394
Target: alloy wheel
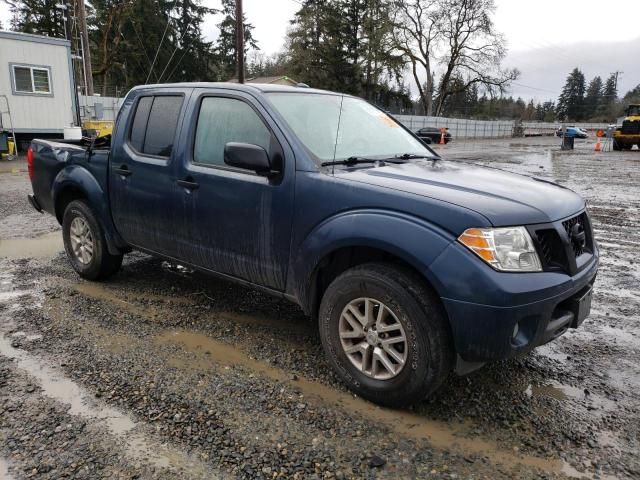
x=373, y=338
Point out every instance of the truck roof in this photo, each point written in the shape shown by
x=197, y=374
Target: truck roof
x=247, y=87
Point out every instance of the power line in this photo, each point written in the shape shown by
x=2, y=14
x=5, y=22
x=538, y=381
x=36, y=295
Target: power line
x=174, y=51
x=161, y=40
x=535, y=88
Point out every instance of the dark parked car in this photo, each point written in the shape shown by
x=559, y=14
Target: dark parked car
x=433, y=135
x=411, y=266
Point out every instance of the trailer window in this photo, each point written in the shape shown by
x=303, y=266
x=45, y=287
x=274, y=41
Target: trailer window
x=31, y=80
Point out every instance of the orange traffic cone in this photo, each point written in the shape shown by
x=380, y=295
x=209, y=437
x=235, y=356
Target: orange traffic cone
x=598, y=146
x=441, y=136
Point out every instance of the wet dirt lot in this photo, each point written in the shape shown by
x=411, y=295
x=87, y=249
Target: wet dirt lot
x=162, y=374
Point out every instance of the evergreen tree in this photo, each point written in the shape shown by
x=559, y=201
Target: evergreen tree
x=40, y=17
x=317, y=48
x=632, y=96
x=191, y=59
x=593, y=97
x=549, y=111
x=610, y=92
x=539, y=113
x=530, y=111
x=225, y=47
x=132, y=42
x=571, y=101
x=345, y=45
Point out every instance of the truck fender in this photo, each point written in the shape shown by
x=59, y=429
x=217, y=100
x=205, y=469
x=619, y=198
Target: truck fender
x=413, y=240
x=80, y=179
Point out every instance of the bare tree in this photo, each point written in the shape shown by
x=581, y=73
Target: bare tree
x=418, y=27
x=473, y=50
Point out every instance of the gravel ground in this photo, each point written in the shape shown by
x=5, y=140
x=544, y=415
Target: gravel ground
x=155, y=374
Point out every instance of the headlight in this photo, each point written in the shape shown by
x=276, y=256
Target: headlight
x=507, y=249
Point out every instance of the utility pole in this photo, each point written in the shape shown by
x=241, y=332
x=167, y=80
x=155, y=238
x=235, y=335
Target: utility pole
x=64, y=8
x=616, y=73
x=239, y=41
x=86, y=53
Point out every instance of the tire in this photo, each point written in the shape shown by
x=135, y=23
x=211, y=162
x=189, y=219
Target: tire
x=428, y=350
x=97, y=263
x=616, y=146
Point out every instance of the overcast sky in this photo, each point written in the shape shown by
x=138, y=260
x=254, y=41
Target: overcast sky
x=546, y=38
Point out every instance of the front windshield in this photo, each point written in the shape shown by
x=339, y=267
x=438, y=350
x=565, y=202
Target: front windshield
x=334, y=127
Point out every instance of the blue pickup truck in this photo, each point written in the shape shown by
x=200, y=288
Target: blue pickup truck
x=412, y=266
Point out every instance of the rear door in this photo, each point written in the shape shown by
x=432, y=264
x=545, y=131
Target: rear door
x=142, y=183
x=239, y=223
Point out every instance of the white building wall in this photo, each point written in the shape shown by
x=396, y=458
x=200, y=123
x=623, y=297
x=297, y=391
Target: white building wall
x=33, y=113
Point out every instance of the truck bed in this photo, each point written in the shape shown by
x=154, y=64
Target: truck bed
x=53, y=161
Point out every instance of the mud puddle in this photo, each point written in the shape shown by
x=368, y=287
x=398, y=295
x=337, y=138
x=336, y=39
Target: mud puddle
x=566, y=393
x=58, y=387
x=208, y=353
x=44, y=246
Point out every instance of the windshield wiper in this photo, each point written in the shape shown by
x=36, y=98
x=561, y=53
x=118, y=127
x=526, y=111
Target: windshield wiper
x=413, y=156
x=357, y=160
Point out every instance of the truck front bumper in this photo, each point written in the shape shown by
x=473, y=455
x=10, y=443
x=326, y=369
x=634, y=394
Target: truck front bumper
x=496, y=315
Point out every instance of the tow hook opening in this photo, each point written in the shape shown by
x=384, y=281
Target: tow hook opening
x=523, y=331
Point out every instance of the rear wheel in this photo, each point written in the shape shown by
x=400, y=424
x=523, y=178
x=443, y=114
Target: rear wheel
x=386, y=334
x=616, y=145
x=85, y=244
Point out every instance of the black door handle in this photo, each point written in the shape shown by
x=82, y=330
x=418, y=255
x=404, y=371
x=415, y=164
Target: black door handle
x=189, y=184
x=123, y=170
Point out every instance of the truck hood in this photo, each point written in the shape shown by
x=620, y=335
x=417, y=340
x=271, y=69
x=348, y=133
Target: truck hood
x=504, y=198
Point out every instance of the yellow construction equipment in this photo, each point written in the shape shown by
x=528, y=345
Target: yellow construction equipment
x=628, y=135
x=97, y=128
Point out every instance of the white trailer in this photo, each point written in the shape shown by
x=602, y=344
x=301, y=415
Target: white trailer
x=36, y=76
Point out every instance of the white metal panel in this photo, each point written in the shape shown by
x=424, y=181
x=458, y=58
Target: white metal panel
x=37, y=113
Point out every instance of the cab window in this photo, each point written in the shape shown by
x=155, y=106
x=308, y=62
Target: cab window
x=222, y=120
x=153, y=129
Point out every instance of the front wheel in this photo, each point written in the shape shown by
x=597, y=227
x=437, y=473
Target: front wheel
x=386, y=334
x=85, y=244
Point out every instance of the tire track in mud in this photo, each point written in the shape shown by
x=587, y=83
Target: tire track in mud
x=211, y=356
x=117, y=323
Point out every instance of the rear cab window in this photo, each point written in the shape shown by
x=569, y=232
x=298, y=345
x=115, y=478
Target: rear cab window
x=154, y=125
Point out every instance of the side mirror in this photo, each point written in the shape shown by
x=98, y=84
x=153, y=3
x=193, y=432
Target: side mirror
x=247, y=157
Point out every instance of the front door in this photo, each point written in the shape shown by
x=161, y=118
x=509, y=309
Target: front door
x=142, y=184
x=239, y=223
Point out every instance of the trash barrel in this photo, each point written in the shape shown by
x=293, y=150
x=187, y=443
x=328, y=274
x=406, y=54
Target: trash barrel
x=567, y=143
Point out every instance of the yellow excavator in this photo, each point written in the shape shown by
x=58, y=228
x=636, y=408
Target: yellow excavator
x=628, y=135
